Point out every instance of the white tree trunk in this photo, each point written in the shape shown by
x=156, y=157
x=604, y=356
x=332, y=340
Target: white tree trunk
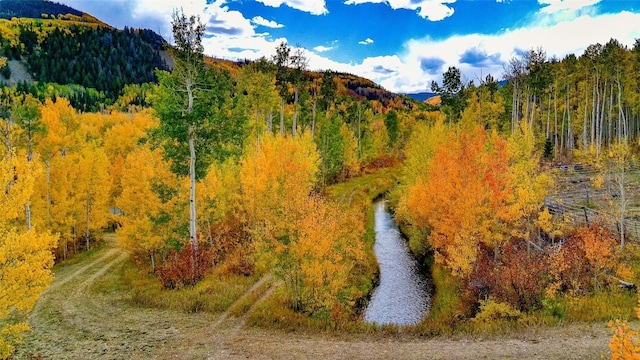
x=27, y=209
x=281, y=116
x=48, y=173
x=88, y=232
x=623, y=204
x=295, y=114
x=192, y=189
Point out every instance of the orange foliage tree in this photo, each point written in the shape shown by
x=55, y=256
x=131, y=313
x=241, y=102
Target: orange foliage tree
x=625, y=342
x=463, y=199
x=583, y=262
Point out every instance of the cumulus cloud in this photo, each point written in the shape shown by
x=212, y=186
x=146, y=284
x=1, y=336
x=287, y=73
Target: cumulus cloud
x=431, y=65
x=315, y=7
x=468, y=52
x=432, y=10
x=366, y=41
x=479, y=57
x=260, y=21
x=230, y=23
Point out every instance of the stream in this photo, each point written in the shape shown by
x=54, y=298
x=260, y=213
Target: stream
x=402, y=297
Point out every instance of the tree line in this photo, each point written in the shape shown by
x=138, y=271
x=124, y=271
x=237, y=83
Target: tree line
x=579, y=102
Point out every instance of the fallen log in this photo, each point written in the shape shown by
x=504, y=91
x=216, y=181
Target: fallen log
x=627, y=285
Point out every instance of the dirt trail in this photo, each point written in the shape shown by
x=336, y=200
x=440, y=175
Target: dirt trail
x=72, y=321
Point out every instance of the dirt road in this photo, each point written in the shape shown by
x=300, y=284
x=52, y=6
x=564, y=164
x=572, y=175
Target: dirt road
x=75, y=321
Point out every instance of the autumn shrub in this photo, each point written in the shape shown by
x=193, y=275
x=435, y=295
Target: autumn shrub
x=522, y=277
x=230, y=244
x=517, y=277
x=184, y=267
x=383, y=161
x=625, y=342
x=583, y=262
x=215, y=293
x=491, y=310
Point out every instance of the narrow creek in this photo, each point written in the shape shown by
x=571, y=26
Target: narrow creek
x=402, y=297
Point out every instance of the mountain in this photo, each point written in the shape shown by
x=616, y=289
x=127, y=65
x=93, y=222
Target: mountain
x=37, y=9
x=421, y=96
x=58, y=44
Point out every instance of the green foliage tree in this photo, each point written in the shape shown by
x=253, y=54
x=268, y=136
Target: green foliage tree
x=188, y=103
x=451, y=92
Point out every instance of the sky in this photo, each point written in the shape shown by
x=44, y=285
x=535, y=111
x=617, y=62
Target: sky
x=402, y=45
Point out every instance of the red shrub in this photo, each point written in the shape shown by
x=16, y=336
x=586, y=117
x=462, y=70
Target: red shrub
x=522, y=277
x=380, y=162
x=517, y=277
x=185, y=267
x=231, y=245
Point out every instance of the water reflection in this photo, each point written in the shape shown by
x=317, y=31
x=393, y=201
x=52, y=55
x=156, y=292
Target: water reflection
x=402, y=297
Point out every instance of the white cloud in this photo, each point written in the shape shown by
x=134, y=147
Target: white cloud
x=321, y=48
x=366, y=41
x=315, y=7
x=406, y=72
x=219, y=21
x=433, y=10
x=569, y=30
x=568, y=37
x=259, y=20
x=403, y=72
x=553, y=6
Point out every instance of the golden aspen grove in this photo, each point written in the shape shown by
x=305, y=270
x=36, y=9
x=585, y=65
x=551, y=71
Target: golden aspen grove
x=220, y=178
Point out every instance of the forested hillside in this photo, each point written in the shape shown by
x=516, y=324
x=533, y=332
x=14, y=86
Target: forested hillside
x=69, y=52
x=36, y=9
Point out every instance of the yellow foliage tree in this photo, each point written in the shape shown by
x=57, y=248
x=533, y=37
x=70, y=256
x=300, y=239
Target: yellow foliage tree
x=148, y=202
x=529, y=184
x=277, y=174
x=327, y=247
x=54, y=196
x=222, y=217
x=25, y=256
x=91, y=212
x=309, y=243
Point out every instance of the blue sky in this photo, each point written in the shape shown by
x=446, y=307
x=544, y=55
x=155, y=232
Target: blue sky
x=401, y=44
